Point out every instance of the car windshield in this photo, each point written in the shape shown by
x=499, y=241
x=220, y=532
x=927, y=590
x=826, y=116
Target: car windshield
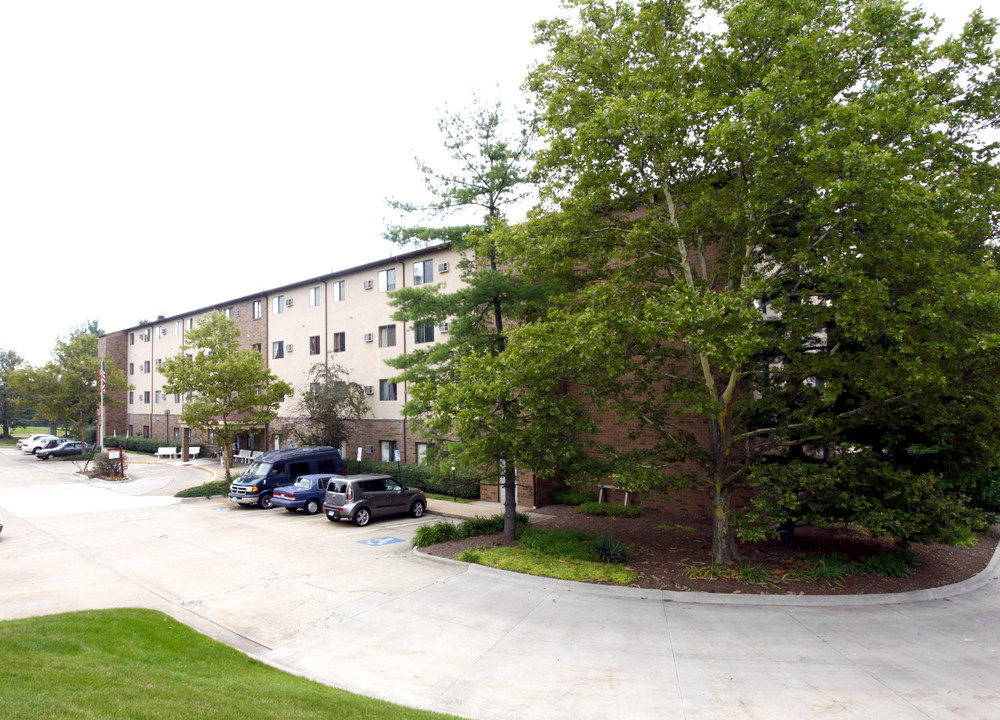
x=256, y=470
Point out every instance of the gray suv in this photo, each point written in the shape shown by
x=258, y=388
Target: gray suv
x=363, y=497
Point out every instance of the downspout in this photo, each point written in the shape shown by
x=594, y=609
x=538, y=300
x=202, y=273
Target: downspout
x=406, y=398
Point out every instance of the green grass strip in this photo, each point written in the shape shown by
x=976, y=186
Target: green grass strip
x=143, y=665
x=525, y=561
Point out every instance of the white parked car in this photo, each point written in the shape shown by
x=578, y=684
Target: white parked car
x=39, y=442
x=30, y=439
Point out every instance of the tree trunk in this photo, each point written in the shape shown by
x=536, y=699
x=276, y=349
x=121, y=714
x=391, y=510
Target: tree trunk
x=510, y=501
x=723, y=535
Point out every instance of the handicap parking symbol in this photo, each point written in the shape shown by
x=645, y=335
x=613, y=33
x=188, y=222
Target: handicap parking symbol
x=376, y=542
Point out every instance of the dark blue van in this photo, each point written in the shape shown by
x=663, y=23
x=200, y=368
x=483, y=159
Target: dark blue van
x=281, y=467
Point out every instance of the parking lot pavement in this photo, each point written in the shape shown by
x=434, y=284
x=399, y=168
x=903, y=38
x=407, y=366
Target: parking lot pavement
x=356, y=608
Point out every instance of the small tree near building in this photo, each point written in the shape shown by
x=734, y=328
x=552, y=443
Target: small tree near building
x=329, y=407
x=231, y=389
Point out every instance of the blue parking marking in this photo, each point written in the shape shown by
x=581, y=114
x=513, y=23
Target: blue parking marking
x=376, y=542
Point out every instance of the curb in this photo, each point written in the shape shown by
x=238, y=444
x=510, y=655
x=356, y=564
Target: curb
x=990, y=573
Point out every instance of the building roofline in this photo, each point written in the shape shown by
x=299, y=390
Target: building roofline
x=401, y=258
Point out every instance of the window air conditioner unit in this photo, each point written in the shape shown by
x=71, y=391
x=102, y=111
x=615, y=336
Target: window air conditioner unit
x=370, y=449
x=289, y=347
x=369, y=337
x=369, y=389
x=288, y=302
x=368, y=284
x=442, y=267
x=444, y=327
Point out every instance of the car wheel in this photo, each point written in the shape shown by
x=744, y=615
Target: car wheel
x=312, y=507
x=331, y=518
x=417, y=509
x=41, y=456
x=362, y=516
x=265, y=502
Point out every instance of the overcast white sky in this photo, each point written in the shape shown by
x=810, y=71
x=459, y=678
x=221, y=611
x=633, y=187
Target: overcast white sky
x=157, y=157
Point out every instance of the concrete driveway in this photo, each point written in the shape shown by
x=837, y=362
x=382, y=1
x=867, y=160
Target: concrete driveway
x=357, y=609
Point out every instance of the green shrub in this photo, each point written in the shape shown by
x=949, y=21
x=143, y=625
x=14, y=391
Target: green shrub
x=473, y=527
x=832, y=569
x=136, y=444
x=574, y=496
x=609, y=550
x=428, y=478
x=888, y=564
x=439, y=532
x=610, y=510
x=106, y=467
x=216, y=487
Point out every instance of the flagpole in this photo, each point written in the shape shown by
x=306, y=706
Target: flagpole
x=100, y=440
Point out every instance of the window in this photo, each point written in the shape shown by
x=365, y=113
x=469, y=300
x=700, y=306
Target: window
x=145, y=397
x=386, y=390
x=337, y=289
x=145, y=431
x=258, y=309
x=422, y=453
x=159, y=363
x=425, y=333
x=387, y=450
x=256, y=346
x=278, y=305
x=145, y=366
x=339, y=342
x=161, y=332
x=387, y=336
x=131, y=432
x=158, y=397
x=314, y=345
x=131, y=368
x=314, y=296
x=177, y=434
x=190, y=323
x=278, y=350
x=423, y=272
x=131, y=338
x=131, y=397
x=387, y=280
x=177, y=397
x=229, y=313
x=178, y=327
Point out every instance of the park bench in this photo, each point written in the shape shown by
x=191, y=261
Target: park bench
x=166, y=452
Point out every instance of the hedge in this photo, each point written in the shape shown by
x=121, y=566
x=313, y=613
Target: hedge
x=425, y=477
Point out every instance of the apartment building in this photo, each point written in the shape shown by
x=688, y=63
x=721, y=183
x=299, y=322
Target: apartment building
x=342, y=317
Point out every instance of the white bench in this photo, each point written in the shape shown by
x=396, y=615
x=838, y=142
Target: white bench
x=243, y=456
x=166, y=452
x=608, y=489
x=193, y=452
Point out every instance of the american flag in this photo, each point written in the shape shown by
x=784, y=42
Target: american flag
x=102, y=374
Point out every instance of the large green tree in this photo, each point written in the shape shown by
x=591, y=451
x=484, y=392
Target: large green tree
x=474, y=421
x=11, y=402
x=779, y=228
x=67, y=390
x=231, y=389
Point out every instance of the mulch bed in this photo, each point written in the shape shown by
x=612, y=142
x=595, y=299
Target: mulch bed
x=667, y=546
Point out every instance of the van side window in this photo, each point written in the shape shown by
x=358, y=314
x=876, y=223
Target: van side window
x=298, y=468
x=278, y=469
x=325, y=465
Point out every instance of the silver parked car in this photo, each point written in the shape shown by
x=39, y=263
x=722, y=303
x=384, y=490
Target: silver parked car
x=363, y=497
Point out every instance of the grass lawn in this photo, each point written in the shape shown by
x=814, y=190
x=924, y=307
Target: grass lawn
x=142, y=664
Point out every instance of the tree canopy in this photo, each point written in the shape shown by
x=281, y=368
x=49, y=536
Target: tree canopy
x=329, y=406
x=477, y=424
x=779, y=230
x=231, y=390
